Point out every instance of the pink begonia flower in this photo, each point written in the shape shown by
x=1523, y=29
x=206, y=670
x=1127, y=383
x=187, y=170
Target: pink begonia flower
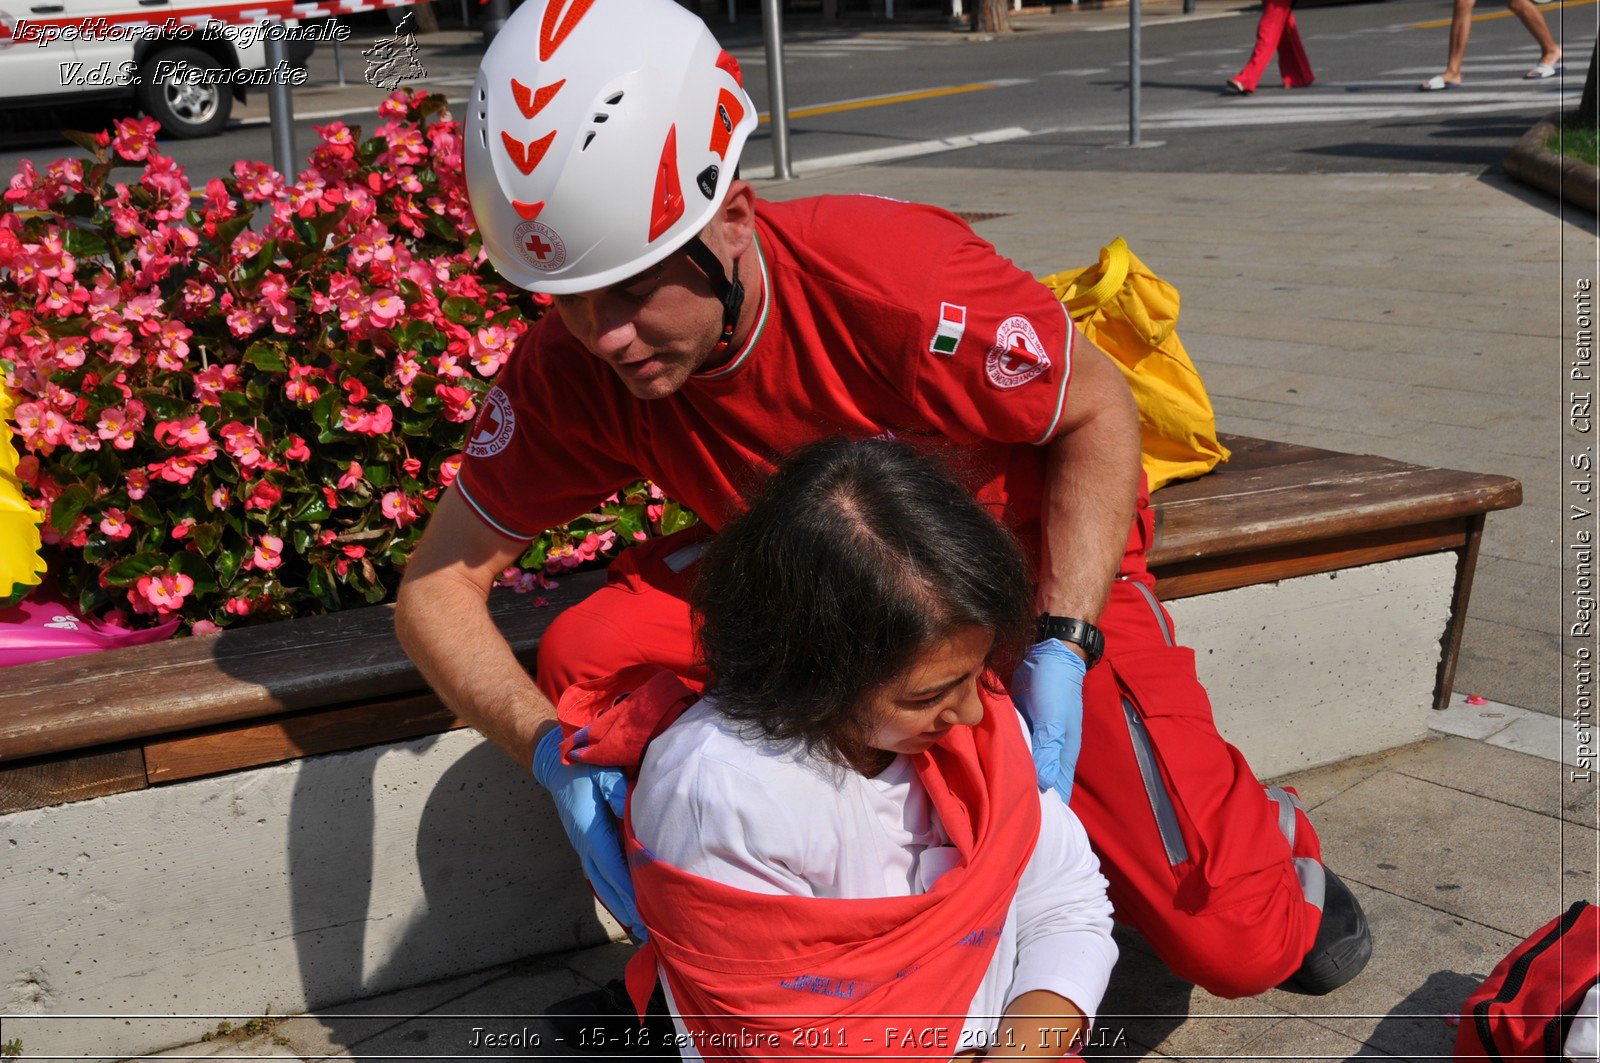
x=406, y=368
x=80, y=439
x=385, y=306
x=181, y=529
x=448, y=469
x=411, y=466
x=166, y=592
x=375, y=423
x=244, y=443
x=29, y=419
x=326, y=536
x=114, y=523
x=191, y=432
x=137, y=481
x=355, y=551
x=400, y=509
x=257, y=182
x=213, y=380
x=219, y=498
x=239, y=606
x=351, y=475
x=263, y=496
x=459, y=404
x=135, y=138
x=354, y=388
x=71, y=351
x=205, y=627
x=179, y=470
x=269, y=553
x=298, y=451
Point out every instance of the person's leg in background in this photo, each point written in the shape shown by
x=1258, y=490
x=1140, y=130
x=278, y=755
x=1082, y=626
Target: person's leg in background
x=1269, y=32
x=1294, y=66
x=1533, y=20
x=1222, y=876
x=1460, y=30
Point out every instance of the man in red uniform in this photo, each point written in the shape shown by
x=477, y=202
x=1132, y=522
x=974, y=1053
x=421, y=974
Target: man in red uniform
x=699, y=334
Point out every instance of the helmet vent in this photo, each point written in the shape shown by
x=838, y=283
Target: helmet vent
x=601, y=117
x=613, y=101
x=586, y=141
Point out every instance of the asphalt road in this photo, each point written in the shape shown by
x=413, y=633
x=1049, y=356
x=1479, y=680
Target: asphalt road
x=1054, y=96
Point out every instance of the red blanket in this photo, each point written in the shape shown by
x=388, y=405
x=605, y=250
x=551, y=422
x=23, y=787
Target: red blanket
x=760, y=977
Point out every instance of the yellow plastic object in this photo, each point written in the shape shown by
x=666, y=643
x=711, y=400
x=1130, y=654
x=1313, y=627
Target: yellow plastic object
x=1131, y=314
x=21, y=568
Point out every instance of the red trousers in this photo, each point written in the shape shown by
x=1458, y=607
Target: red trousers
x=1220, y=875
x=1276, y=32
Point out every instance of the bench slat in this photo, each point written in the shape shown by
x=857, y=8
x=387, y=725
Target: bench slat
x=100, y=698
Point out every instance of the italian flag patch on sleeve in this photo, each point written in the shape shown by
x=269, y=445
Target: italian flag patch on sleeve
x=952, y=326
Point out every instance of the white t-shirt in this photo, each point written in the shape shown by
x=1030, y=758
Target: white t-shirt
x=766, y=818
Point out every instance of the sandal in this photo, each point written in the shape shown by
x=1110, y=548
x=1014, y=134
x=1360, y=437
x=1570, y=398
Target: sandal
x=1236, y=89
x=1541, y=71
x=1437, y=83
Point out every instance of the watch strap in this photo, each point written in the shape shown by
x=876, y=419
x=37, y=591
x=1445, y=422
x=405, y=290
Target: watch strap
x=1080, y=633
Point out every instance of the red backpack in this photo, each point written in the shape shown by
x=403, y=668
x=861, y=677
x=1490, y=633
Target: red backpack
x=1525, y=1007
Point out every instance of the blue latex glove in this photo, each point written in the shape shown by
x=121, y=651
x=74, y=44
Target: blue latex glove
x=1048, y=688
x=590, y=803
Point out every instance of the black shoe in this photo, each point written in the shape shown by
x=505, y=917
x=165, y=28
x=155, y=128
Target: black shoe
x=1343, y=945
x=603, y=1022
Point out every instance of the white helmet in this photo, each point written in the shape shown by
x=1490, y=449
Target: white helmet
x=602, y=137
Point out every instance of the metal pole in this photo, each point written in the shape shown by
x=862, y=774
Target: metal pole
x=338, y=60
x=1133, y=73
x=733, y=10
x=1188, y=7
x=280, y=107
x=499, y=11
x=779, y=98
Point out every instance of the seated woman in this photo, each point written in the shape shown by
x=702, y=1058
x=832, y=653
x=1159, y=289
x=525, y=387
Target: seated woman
x=846, y=826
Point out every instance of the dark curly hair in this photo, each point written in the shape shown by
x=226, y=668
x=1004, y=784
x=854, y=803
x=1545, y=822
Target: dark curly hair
x=855, y=557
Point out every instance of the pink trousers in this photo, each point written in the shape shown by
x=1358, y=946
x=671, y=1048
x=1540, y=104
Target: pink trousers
x=1276, y=32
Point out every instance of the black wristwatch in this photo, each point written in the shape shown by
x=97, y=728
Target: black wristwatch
x=1080, y=633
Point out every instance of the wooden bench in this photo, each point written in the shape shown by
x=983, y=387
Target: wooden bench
x=104, y=723
x=224, y=867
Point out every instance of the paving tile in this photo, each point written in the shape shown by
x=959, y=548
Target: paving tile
x=1474, y=721
x=332, y=1032
x=1484, y=860
x=1540, y=736
x=1300, y=1040
x=1158, y=1010
x=1511, y=665
x=502, y=1017
x=1424, y=963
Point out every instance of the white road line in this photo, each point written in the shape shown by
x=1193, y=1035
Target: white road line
x=1081, y=72
x=1151, y=23
x=302, y=115
x=908, y=151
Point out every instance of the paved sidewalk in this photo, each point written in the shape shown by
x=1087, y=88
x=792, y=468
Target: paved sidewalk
x=1457, y=849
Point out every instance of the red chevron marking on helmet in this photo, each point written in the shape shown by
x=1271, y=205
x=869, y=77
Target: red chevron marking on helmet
x=667, y=206
x=561, y=17
x=731, y=65
x=531, y=103
x=526, y=156
x=729, y=113
x=527, y=211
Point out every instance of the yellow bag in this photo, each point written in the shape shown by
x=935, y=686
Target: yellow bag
x=1130, y=313
x=20, y=566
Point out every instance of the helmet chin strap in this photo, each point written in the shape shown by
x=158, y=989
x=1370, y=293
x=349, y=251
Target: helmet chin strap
x=730, y=291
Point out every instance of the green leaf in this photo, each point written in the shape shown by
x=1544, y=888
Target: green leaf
x=68, y=507
x=534, y=559
x=228, y=230
x=267, y=356
x=441, y=228
x=674, y=518
x=125, y=573
x=461, y=310
x=147, y=513
x=228, y=561
x=85, y=141
x=416, y=422
x=82, y=242
x=302, y=540
x=322, y=410
x=259, y=265
x=377, y=475
x=194, y=566
x=206, y=537
x=313, y=509
x=322, y=587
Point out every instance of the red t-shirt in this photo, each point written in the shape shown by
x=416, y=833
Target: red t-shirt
x=877, y=317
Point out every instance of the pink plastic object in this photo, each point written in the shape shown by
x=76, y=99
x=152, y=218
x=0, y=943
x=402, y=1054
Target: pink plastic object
x=45, y=626
x=1477, y=699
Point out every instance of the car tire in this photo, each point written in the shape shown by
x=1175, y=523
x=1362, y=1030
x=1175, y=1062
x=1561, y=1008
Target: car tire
x=184, y=111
